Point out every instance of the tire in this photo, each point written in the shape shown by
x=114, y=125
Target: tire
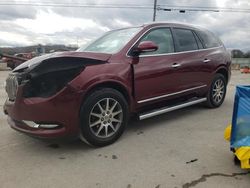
x=101, y=126
x=217, y=91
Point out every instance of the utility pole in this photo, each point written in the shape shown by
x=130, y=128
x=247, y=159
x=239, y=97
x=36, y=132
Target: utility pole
x=155, y=5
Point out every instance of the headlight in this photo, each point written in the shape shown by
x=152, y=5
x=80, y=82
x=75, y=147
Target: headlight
x=49, y=84
x=51, y=75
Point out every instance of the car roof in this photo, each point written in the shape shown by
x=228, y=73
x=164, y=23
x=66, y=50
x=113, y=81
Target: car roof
x=164, y=24
x=170, y=24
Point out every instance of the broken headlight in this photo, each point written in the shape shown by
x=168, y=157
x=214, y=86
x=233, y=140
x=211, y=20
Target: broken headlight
x=52, y=75
x=49, y=84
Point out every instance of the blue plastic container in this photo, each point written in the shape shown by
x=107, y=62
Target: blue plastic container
x=240, y=135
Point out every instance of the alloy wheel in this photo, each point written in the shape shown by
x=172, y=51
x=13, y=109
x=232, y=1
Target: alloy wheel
x=218, y=91
x=105, y=118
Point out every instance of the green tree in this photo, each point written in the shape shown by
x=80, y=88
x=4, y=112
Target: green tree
x=237, y=54
x=247, y=54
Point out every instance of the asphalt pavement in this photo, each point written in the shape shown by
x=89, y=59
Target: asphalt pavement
x=180, y=149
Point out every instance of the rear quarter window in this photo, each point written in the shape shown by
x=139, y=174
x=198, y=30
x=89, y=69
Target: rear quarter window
x=209, y=40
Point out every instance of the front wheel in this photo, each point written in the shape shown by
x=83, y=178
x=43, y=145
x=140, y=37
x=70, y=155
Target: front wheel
x=217, y=91
x=104, y=116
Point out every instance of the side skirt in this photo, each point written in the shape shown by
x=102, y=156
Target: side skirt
x=171, y=108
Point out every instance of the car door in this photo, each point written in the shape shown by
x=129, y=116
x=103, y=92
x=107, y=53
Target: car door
x=193, y=69
x=155, y=74
x=213, y=55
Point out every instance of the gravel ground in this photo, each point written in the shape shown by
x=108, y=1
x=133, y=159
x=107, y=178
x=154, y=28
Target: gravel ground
x=184, y=149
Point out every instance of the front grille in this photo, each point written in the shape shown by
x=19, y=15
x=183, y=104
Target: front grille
x=11, y=86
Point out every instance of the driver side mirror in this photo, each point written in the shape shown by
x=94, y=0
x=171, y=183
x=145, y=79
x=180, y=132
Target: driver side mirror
x=145, y=46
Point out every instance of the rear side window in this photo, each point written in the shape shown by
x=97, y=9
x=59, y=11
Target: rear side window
x=163, y=38
x=209, y=39
x=185, y=40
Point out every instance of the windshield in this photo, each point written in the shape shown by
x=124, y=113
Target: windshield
x=111, y=42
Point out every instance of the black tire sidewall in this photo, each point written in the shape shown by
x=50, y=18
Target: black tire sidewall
x=210, y=100
x=86, y=108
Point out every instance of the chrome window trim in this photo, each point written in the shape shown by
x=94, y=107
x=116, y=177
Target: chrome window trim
x=171, y=94
x=175, y=53
x=165, y=54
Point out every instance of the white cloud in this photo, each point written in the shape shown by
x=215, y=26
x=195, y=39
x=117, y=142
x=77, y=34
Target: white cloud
x=14, y=38
x=221, y=3
x=50, y=22
x=122, y=23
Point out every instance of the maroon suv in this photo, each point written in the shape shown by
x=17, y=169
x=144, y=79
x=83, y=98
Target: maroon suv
x=91, y=93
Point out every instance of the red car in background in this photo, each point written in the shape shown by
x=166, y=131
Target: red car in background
x=91, y=93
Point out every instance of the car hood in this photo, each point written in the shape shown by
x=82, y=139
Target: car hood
x=32, y=63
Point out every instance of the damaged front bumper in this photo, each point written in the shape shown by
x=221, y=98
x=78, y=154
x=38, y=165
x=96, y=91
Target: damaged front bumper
x=53, y=117
x=45, y=94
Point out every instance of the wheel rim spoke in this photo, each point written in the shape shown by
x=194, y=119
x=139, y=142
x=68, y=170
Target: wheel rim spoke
x=96, y=115
x=99, y=130
x=100, y=107
x=222, y=87
x=112, y=127
x=116, y=120
x=216, y=84
x=113, y=107
x=116, y=113
x=221, y=83
x=107, y=104
x=216, y=98
x=106, y=131
x=95, y=123
x=219, y=97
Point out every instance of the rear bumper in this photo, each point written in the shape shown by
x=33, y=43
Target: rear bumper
x=61, y=109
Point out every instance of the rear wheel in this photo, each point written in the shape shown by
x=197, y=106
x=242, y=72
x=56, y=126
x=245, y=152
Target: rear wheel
x=217, y=91
x=104, y=116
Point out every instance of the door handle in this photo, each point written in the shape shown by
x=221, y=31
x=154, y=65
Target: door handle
x=175, y=65
x=206, y=60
